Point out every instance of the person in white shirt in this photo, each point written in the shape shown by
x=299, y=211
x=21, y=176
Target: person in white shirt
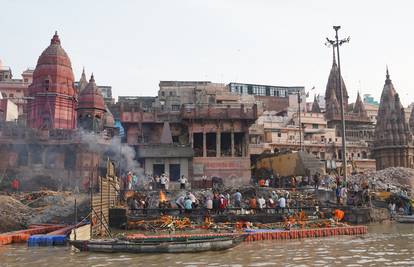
x=344, y=195
x=261, y=202
x=163, y=181
x=183, y=181
x=282, y=203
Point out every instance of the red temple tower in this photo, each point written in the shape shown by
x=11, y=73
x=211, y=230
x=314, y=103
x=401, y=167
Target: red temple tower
x=52, y=94
x=91, y=108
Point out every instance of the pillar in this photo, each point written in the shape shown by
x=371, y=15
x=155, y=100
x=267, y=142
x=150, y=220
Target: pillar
x=204, y=144
x=191, y=136
x=232, y=142
x=246, y=142
x=218, y=143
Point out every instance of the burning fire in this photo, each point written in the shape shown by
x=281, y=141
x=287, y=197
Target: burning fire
x=163, y=196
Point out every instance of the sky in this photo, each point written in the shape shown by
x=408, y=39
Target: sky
x=132, y=45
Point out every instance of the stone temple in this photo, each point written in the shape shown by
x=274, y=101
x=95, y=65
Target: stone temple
x=393, y=143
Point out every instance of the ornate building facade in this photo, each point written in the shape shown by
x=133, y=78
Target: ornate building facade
x=91, y=108
x=393, y=145
x=52, y=96
x=358, y=125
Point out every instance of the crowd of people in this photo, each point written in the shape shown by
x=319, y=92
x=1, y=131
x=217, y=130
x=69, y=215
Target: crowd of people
x=219, y=203
x=131, y=181
x=347, y=193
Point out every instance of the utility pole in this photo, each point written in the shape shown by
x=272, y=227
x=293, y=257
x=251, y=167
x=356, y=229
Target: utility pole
x=300, y=123
x=337, y=43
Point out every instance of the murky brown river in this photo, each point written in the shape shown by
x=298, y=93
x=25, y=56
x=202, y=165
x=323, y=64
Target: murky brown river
x=386, y=244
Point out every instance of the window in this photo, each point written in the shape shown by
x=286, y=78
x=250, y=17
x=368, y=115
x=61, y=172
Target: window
x=162, y=93
x=171, y=93
x=279, y=134
x=315, y=126
x=26, y=80
x=47, y=85
x=11, y=95
x=175, y=107
x=259, y=90
x=268, y=137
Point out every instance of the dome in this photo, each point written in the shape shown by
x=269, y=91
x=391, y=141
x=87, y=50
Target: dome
x=91, y=97
x=52, y=95
x=53, y=71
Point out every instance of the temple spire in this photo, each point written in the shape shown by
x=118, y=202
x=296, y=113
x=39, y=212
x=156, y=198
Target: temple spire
x=55, y=39
x=333, y=56
x=315, y=106
x=387, y=80
x=83, y=82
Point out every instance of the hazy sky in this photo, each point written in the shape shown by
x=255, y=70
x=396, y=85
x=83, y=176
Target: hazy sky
x=132, y=45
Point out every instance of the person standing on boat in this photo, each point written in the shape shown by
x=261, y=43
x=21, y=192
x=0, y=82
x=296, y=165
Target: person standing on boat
x=183, y=180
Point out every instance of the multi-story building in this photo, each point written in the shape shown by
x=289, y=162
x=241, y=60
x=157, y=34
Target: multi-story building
x=275, y=98
x=15, y=90
x=52, y=151
x=192, y=129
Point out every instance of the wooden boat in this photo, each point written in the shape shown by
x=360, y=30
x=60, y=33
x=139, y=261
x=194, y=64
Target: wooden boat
x=161, y=245
x=405, y=218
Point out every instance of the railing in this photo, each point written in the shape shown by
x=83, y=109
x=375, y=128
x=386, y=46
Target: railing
x=229, y=210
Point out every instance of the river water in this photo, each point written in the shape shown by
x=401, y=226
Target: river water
x=386, y=245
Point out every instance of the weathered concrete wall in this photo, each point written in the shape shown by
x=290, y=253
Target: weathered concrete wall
x=233, y=170
x=149, y=163
x=48, y=166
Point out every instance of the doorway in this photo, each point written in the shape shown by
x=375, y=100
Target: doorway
x=175, y=172
x=158, y=169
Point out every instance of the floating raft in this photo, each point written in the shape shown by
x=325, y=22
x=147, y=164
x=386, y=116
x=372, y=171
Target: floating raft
x=23, y=235
x=269, y=234
x=56, y=238
x=262, y=234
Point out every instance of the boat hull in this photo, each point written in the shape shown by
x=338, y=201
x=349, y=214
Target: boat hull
x=191, y=246
x=405, y=219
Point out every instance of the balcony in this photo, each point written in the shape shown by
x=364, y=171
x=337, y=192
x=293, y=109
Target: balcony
x=219, y=111
x=165, y=151
x=153, y=116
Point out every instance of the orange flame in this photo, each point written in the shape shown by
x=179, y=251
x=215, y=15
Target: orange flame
x=163, y=197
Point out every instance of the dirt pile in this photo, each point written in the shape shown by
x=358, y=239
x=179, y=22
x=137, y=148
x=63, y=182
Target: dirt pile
x=58, y=207
x=17, y=211
x=396, y=179
x=14, y=215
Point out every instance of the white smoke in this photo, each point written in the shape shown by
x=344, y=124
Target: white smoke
x=122, y=154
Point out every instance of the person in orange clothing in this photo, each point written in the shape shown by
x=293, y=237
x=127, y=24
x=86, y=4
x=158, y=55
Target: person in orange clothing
x=15, y=185
x=338, y=215
x=253, y=204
